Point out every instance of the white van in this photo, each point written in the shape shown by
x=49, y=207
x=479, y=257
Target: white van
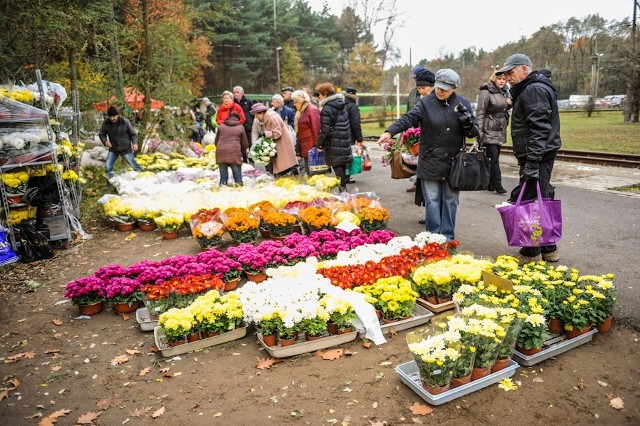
x=578, y=101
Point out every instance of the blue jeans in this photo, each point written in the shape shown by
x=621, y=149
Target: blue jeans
x=236, y=169
x=441, y=206
x=129, y=158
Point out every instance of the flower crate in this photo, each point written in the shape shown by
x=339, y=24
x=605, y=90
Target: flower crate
x=420, y=316
x=440, y=307
x=144, y=320
x=554, y=346
x=303, y=346
x=168, y=351
x=410, y=375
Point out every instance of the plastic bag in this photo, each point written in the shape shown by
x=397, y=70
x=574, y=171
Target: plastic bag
x=316, y=162
x=7, y=255
x=35, y=241
x=209, y=138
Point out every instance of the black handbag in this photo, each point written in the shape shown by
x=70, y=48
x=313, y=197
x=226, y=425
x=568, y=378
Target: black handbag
x=469, y=170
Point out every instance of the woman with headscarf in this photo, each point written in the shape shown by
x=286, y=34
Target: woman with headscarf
x=306, y=123
x=273, y=126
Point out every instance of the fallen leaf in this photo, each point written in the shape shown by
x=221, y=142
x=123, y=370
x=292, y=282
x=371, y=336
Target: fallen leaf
x=169, y=375
x=154, y=349
x=130, y=237
x=16, y=357
x=4, y=394
x=366, y=344
x=34, y=416
x=617, y=403
x=392, y=331
x=52, y=351
x=332, y=354
x=580, y=384
x=420, y=409
x=52, y=418
x=385, y=363
x=165, y=369
x=158, y=412
x=57, y=335
x=266, y=363
x=120, y=359
x=218, y=414
x=105, y=403
x=538, y=380
x=140, y=412
x=125, y=317
x=133, y=351
x=57, y=321
x=56, y=368
x=144, y=371
x=88, y=418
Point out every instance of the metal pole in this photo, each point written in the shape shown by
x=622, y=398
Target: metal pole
x=278, y=49
x=396, y=81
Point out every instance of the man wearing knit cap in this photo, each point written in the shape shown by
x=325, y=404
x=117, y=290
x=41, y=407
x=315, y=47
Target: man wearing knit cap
x=119, y=137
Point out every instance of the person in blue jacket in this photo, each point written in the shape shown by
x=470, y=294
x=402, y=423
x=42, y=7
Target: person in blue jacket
x=446, y=120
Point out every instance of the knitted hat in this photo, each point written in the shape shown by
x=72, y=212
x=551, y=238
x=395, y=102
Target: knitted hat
x=350, y=90
x=112, y=111
x=424, y=77
x=415, y=70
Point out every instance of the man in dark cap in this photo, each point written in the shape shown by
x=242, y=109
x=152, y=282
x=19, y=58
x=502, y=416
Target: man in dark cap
x=286, y=95
x=351, y=104
x=414, y=96
x=119, y=137
x=535, y=131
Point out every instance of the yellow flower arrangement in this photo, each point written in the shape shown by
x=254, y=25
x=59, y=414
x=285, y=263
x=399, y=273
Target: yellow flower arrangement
x=70, y=175
x=323, y=182
x=373, y=218
x=444, y=277
x=169, y=222
x=340, y=311
x=16, y=216
x=436, y=357
x=217, y=314
x=15, y=181
x=279, y=223
x=395, y=297
x=317, y=218
x=242, y=226
x=176, y=323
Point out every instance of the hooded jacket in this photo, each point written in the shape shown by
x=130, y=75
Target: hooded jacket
x=351, y=102
x=335, y=131
x=120, y=133
x=231, y=141
x=535, y=123
x=492, y=115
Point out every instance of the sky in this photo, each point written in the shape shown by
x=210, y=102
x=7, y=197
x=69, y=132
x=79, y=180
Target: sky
x=431, y=28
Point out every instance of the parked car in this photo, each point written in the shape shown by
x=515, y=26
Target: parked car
x=563, y=103
x=601, y=103
x=615, y=101
x=578, y=101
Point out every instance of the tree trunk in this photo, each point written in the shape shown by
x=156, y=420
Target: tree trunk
x=147, y=72
x=633, y=87
x=117, y=64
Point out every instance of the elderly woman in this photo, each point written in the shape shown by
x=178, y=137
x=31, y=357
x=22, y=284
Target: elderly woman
x=306, y=123
x=229, y=105
x=275, y=128
x=335, y=132
x=231, y=141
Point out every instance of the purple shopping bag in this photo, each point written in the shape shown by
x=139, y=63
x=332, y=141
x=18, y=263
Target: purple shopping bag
x=532, y=223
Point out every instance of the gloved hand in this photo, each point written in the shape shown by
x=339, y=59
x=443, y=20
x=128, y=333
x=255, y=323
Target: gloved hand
x=531, y=172
x=465, y=117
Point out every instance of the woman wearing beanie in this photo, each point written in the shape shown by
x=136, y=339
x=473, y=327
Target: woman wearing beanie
x=306, y=123
x=231, y=141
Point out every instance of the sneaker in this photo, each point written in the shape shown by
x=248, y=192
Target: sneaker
x=351, y=180
x=501, y=191
x=422, y=221
x=554, y=256
x=527, y=259
x=412, y=189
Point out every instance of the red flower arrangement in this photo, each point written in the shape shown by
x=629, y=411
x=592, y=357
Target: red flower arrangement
x=179, y=292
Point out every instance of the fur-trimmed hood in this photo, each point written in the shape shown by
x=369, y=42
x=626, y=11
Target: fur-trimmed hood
x=337, y=100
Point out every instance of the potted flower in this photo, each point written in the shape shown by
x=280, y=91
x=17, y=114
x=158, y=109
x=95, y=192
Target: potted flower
x=317, y=218
x=228, y=270
x=87, y=293
x=217, y=314
x=268, y=325
x=373, y=218
x=146, y=221
x=15, y=184
x=410, y=140
x=436, y=358
x=397, y=298
x=279, y=224
x=258, y=209
x=532, y=335
x=289, y=327
x=176, y=324
x=577, y=313
x=602, y=291
x=242, y=226
x=315, y=325
x=341, y=314
x=467, y=347
x=489, y=335
x=512, y=322
x=125, y=294
x=207, y=228
x=169, y=224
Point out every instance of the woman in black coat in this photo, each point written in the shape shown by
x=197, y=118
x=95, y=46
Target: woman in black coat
x=335, y=132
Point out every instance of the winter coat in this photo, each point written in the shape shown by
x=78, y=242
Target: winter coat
x=354, y=117
x=224, y=111
x=308, y=129
x=442, y=135
x=231, y=141
x=535, y=123
x=335, y=131
x=492, y=115
x=413, y=98
x=287, y=114
x=275, y=128
x=246, y=105
x=210, y=117
x=120, y=133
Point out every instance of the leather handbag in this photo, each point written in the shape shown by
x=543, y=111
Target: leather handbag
x=399, y=170
x=469, y=170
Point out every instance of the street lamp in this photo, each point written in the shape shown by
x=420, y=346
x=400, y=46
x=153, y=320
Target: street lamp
x=598, y=56
x=278, y=49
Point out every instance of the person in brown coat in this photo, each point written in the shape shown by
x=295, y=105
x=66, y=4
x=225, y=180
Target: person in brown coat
x=275, y=128
x=306, y=124
x=231, y=141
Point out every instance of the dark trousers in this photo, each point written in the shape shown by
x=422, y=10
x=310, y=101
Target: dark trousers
x=341, y=173
x=495, y=176
x=530, y=193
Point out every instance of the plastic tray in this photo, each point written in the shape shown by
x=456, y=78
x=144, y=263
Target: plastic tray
x=554, y=346
x=420, y=316
x=303, y=346
x=168, y=351
x=144, y=319
x=441, y=307
x=410, y=375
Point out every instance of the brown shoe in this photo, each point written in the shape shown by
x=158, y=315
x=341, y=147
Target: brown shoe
x=526, y=259
x=554, y=256
x=412, y=189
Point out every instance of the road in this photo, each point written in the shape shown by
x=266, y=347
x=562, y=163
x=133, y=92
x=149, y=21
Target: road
x=600, y=225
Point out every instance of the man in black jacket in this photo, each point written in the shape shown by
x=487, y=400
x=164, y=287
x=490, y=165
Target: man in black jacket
x=535, y=131
x=119, y=137
x=246, y=104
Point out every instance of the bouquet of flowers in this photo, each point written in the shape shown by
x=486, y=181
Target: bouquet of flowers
x=124, y=290
x=207, y=227
x=242, y=226
x=86, y=291
x=263, y=150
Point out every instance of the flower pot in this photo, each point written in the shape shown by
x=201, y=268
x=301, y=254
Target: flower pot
x=207, y=334
x=576, y=332
x=606, y=325
x=112, y=223
x=414, y=149
x=332, y=328
x=124, y=308
x=270, y=340
x=444, y=300
x=500, y=364
x=193, y=337
x=529, y=352
x=436, y=390
x=151, y=226
x=379, y=314
x=174, y=343
x=310, y=338
x=92, y=309
x=14, y=199
x=279, y=238
x=126, y=227
x=231, y=284
x=166, y=235
x=347, y=330
x=256, y=278
x=264, y=233
x=556, y=326
x=459, y=381
x=432, y=299
x=479, y=373
x=287, y=342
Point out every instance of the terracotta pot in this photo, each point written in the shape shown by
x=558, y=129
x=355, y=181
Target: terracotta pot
x=193, y=337
x=14, y=199
x=264, y=233
x=345, y=331
x=147, y=226
x=276, y=238
x=432, y=299
x=414, y=149
x=256, y=278
x=231, y=285
x=459, y=381
x=529, y=352
x=332, y=328
x=94, y=308
x=175, y=343
x=576, y=332
x=124, y=308
x=442, y=300
x=556, y=326
x=169, y=235
x=389, y=321
x=287, y=342
x=479, y=373
x=606, y=325
x=207, y=334
x=310, y=338
x=112, y=223
x=436, y=390
x=270, y=340
x=500, y=364
x=379, y=314
x=126, y=227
